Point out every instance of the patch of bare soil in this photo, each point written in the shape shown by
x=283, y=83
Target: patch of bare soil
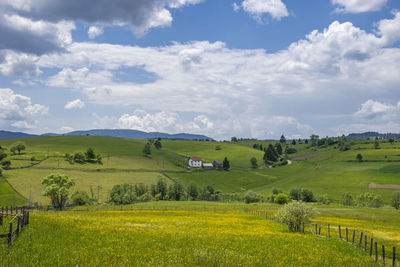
x=308, y=156
x=384, y=186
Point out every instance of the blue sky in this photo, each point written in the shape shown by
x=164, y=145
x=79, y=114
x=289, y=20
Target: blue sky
x=248, y=68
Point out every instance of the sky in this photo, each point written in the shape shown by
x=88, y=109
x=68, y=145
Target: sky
x=222, y=68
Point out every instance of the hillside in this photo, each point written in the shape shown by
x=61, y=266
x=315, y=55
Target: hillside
x=124, y=133
x=324, y=170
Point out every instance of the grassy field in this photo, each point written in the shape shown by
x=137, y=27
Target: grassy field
x=175, y=234
x=329, y=171
x=8, y=197
x=28, y=181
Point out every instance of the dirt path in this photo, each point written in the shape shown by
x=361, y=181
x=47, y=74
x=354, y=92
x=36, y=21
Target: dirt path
x=384, y=186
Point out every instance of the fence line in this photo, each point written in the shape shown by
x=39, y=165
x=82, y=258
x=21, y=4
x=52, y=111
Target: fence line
x=19, y=220
x=373, y=247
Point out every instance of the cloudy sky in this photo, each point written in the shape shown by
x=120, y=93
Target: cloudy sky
x=247, y=68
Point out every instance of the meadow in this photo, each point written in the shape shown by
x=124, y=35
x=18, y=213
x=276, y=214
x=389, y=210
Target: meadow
x=173, y=234
x=324, y=170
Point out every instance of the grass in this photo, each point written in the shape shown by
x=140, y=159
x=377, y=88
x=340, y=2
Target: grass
x=8, y=197
x=178, y=236
x=28, y=181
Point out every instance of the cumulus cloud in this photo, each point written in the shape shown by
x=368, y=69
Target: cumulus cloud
x=95, y=31
x=376, y=110
x=358, y=6
x=19, y=64
x=75, y=104
x=257, y=8
x=18, y=111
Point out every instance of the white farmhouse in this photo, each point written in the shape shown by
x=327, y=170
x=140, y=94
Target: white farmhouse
x=196, y=162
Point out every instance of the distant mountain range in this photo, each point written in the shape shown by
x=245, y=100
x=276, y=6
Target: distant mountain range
x=125, y=133
x=372, y=135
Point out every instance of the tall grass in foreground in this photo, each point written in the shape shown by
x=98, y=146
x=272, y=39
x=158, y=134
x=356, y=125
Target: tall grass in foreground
x=166, y=238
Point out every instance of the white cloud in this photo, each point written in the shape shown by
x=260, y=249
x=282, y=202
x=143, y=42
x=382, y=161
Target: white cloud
x=18, y=111
x=358, y=6
x=75, y=104
x=257, y=8
x=95, y=31
x=66, y=129
x=19, y=64
x=376, y=110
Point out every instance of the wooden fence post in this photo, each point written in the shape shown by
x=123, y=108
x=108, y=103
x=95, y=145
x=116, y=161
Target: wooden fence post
x=354, y=235
x=303, y=228
x=347, y=235
x=370, y=247
x=365, y=242
x=10, y=234
x=316, y=230
x=376, y=252
x=361, y=237
x=383, y=253
x=394, y=256
x=328, y=231
x=340, y=233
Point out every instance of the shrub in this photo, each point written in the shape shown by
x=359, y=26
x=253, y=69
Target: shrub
x=79, y=157
x=253, y=162
x=281, y=199
x=294, y=214
x=325, y=199
x=80, y=198
x=251, y=197
x=33, y=158
x=291, y=150
x=218, y=148
x=276, y=191
x=369, y=200
x=307, y=195
x=295, y=194
x=347, y=199
x=6, y=163
x=359, y=158
x=396, y=200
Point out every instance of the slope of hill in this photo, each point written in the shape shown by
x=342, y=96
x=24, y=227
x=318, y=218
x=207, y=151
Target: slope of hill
x=125, y=133
x=324, y=170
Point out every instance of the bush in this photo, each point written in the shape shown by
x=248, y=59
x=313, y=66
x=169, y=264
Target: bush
x=80, y=198
x=251, y=197
x=295, y=194
x=6, y=163
x=33, y=158
x=347, y=199
x=307, y=195
x=291, y=150
x=396, y=200
x=369, y=200
x=325, y=199
x=253, y=162
x=281, y=199
x=79, y=157
x=294, y=214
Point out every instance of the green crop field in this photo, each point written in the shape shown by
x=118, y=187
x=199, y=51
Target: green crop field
x=173, y=234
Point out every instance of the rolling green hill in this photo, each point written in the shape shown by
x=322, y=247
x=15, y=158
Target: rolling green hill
x=325, y=170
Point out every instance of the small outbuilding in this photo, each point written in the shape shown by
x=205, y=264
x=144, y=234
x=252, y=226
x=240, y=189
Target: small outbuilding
x=208, y=166
x=217, y=164
x=195, y=162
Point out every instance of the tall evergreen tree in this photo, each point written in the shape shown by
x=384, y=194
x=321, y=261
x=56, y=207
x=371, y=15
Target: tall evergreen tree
x=283, y=139
x=278, y=148
x=225, y=164
x=271, y=154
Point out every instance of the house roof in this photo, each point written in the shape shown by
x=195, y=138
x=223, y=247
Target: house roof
x=196, y=158
x=207, y=164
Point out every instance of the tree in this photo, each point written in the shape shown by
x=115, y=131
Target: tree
x=376, y=144
x=192, y=191
x=251, y=197
x=234, y=139
x=225, y=164
x=80, y=198
x=281, y=199
x=217, y=147
x=253, y=162
x=294, y=142
x=162, y=188
x=294, y=214
x=283, y=139
x=79, y=157
x=396, y=200
x=176, y=192
x=391, y=141
x=314, y=139
x=157, y=144
x=5, y=163
x=347, y=199
x=307, y=195
x=2, y=155
x=270, y=155
x=57, y=188
x=90, y=155
x=18, y=147
x=295, y=194
x=147, y=149
x=278, y=148
x=359, y=157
